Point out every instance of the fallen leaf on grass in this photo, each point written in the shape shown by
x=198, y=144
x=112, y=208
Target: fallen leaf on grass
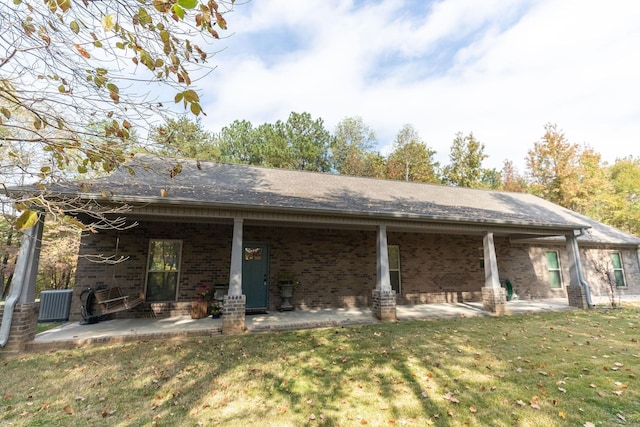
x=562, y=415
x=69, y=410
x=449, y=396
x=473, y=409
x=621, y=417
x=589, y=424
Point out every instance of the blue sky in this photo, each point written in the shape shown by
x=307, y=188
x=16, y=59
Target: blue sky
x=501, y=69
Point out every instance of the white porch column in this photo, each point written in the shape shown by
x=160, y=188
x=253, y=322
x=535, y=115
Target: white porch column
x=577, y=294
x=494, y=297
x=574, y=260
x=235, y=273
x=384, y=297
x=234, y=303
x=31, y=272
x=20, y=314
x=383, y=282
x=491, y=277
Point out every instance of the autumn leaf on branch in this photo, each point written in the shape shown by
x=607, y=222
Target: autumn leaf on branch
x=76, y=78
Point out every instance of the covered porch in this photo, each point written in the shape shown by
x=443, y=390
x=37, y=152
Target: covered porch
x=336, y=234
x=75, y=335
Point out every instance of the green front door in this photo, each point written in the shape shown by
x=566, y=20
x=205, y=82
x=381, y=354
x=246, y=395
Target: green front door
x=255, y=275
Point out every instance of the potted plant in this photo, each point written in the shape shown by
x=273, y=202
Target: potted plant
x=215, y=309
x=286, y=281
x=200, y=306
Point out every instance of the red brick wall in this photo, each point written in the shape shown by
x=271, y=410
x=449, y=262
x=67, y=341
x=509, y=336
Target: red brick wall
x=629, y=264
x=526, y=268
x=336, y=268
x=439, y=268
x=205, y=260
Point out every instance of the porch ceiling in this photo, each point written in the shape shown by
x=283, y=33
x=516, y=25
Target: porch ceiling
x=277, y=218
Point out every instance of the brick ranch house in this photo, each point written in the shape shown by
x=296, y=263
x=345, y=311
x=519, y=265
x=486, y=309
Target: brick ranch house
x=348, y=241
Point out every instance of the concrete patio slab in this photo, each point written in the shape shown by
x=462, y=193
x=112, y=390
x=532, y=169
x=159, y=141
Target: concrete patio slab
x=73, y=334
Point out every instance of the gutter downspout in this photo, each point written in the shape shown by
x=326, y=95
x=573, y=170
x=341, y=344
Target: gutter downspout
x=22, y=276
x=581, y=279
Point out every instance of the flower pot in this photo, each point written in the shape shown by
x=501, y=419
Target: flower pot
x=199, y=309
x=286, y=292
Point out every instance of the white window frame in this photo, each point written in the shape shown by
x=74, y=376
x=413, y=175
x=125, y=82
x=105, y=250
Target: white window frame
x=549, y=269
x=177, y=270
x=399, y=291
x=621, y=269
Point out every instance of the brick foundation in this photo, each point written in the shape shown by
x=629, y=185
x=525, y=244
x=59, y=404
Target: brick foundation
x=494, y=300
x=233, y=313
x=384, y=305
x=577, y=297
x=23, y=327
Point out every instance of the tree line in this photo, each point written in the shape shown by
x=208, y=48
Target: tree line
x=562, y=172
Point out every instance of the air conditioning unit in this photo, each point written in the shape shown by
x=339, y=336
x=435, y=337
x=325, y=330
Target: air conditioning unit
x=55, y=305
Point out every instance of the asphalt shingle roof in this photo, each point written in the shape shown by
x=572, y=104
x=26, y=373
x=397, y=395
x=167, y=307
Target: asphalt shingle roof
x=217, y=184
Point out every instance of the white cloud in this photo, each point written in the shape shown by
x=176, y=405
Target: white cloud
x=501, y=70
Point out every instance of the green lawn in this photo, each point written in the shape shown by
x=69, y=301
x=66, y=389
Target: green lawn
x=575, y=368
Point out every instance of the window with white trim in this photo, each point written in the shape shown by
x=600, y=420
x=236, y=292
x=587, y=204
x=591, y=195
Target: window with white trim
x=394, y=267
x=163, y=270
x=618, y=270
x=553, y=267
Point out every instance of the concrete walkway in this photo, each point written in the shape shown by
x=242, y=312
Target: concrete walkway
x=73, y=334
